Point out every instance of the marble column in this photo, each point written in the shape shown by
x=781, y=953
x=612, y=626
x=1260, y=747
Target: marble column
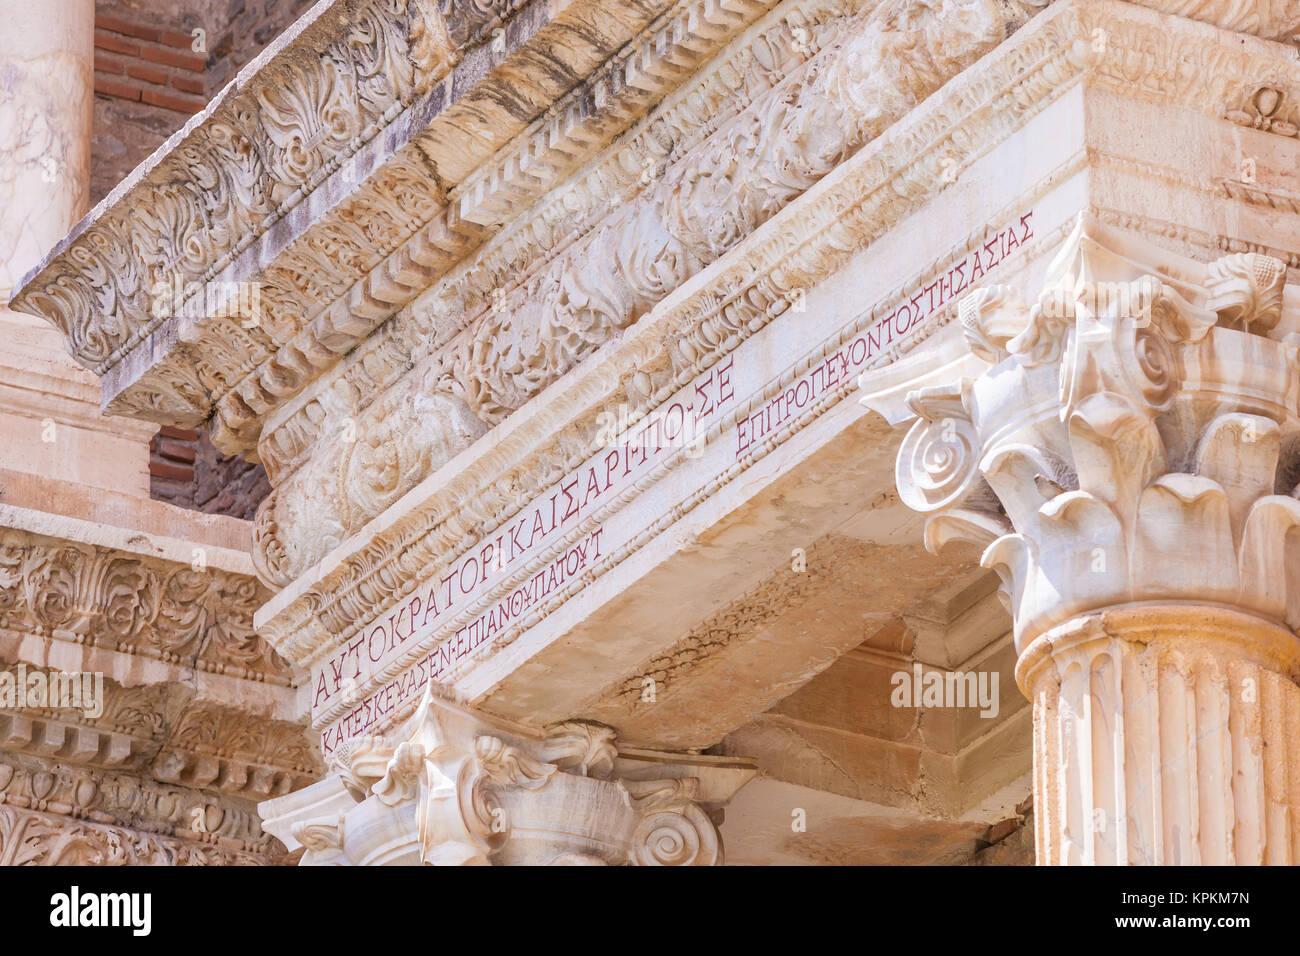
x=1129, y=459
x=46, y=93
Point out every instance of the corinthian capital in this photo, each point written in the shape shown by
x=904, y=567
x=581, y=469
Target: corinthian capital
x=1131, y=438
x=452, y=789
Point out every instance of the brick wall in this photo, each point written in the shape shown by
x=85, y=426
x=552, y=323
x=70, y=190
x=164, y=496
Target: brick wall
x=185, y=470
x=146, y=64
x=150, y=78
x=152, y=73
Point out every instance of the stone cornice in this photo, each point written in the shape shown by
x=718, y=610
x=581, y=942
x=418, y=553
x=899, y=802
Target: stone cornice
x=322, y=270
x=336, y=444
x=154, y=757
x=477, y=491
x=776, y=47
x=329, y=85
x=161, y=729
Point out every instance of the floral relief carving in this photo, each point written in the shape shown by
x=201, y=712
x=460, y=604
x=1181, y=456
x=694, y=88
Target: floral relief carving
x=172, y=610
x=37, y=839
x=217, y=190
x=794, y=135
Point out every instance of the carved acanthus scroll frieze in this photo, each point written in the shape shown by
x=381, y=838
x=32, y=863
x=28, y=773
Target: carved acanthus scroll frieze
x=233, y=177
x=30, y=838
x=451, y=790
x=124, y=601
x=1132, y=439
x=520, y=337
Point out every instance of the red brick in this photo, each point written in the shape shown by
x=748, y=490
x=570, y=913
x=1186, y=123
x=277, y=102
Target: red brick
x=106, y=41
x=190, y=84
x=186, y=61
x=183, y=434
x=111, y=87
x=150, y=74
x=126, y=27
x=162, y=469
x=176, y=451
x=173, y=101
x=182, y=41
x=1002, y=829
x=108, y=63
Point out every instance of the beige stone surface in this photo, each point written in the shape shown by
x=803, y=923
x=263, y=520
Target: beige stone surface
x=460, y=276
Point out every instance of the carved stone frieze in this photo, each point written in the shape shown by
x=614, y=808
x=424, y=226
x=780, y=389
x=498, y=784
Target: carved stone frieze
x=30, y=838
x=320, y=98
x=51, y=786
x=340, y=79
x=104, y=597
x=160, y=729
x=803, y=113
x=741, y=296
x=451, y=789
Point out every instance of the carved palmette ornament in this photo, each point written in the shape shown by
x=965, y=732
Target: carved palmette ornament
x=142, y=602
x=1085, y=462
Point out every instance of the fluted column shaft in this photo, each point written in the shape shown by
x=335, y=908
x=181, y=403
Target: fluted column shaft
x=1165, y=735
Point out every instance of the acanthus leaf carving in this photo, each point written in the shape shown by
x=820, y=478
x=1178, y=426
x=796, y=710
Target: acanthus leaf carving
x=457, y=791
x=1102, y=465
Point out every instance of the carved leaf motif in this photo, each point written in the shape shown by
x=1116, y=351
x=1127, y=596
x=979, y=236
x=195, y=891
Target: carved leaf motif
x=509, y=766
x=1268, y=550
x=582, y=746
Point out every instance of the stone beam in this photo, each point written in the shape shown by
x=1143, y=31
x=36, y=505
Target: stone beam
x=357, y=160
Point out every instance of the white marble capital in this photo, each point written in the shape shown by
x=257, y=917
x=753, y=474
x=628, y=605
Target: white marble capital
x=450, y=788
x=1124, y=448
